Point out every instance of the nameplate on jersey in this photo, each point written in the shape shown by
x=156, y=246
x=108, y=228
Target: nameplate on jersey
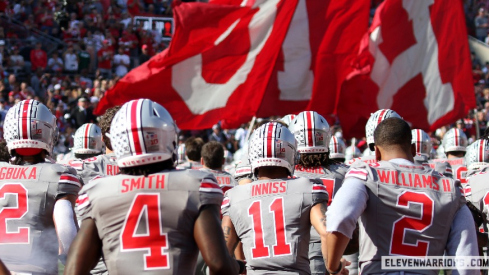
x=316, y=170
x=414, y=180
x=453, y=162
x=151, y=182
x=18, y=173
x=268, y=188
x=223, y=180
x=111, y=170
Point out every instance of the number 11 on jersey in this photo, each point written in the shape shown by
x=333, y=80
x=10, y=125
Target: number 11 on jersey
x=281, y=247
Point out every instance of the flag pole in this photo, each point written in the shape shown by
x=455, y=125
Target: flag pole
x=252, y=124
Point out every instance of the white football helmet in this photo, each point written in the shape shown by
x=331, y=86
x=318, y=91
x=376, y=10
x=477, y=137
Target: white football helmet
x=374, y=120
x=30, y=124
x=337, y=148
x=311, y=131
x=143, y=132
x=454, y=140
x=352, y=152
x=88, y=140
x=477, y=155
x=288, y=119
x=272, y=144
x=243, y=166
x=422, y=141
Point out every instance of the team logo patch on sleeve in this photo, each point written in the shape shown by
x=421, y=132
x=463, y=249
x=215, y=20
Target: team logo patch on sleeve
x=70, y=179
x=357, y=173
x=210, y=187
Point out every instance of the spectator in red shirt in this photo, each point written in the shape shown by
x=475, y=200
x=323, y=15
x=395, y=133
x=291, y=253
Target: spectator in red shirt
x=39, y=58
x=133, y=7
x=105, y=56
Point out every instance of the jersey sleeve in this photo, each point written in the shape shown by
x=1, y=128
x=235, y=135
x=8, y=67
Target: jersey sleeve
x=226, y=203
x=210, y=192
x=319, y=192
x=69, y=183
x=83, y=204
x=90, y=171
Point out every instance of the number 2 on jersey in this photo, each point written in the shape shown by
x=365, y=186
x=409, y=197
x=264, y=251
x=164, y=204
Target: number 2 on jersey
x=412, y=223
x=281, y=247
x=153, y=240
x=21, y=235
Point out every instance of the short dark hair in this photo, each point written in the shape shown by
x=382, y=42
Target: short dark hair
x=213, y=155
x=393, y=132
x=193, y=148
x=105, y=122
x=315, y=160
x=4, y=154
x=85, y=156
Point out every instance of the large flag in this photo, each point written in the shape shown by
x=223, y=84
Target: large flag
x=415, y=60
x=227, y=62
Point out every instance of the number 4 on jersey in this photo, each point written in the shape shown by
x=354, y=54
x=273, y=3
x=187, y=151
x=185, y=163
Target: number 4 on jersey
x=153, y=240
x=281, y=247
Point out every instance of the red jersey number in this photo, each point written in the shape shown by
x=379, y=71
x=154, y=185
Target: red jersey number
x=21, y=235
x=415, y=223
x=154, y=241
x=280, y=247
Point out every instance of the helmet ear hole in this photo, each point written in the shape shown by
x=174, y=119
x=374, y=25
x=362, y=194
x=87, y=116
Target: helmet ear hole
x=156, y=113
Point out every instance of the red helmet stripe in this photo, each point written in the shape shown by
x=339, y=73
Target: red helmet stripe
x=85, y=138
x=418, y=141
x=456, y=137
x=309, y=128
x=135, y=126
x=25, y=119
x=481, y=150
x=379, y=120
x=269, y=136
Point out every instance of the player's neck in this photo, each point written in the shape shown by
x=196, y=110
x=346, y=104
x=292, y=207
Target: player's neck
x=266, y=173
x=108, y=151
x=396, y=154
x=218, y=170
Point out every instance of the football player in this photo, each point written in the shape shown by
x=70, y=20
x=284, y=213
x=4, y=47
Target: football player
x=3, y=269
x=381, y=195
x=37, y=196
x=476, y=190
x=287, y=119
x=193, y=149
x=213, y=160
x=311, y=131
x=99, y=165
x=374, y=120
x=423, y=147
x=337, y=149
x=151, y=218
x=454, y=144
x=272, y=216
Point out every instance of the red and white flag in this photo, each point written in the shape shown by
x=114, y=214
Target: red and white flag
x=217, y=66
x=230, y=63
x=415, y=60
